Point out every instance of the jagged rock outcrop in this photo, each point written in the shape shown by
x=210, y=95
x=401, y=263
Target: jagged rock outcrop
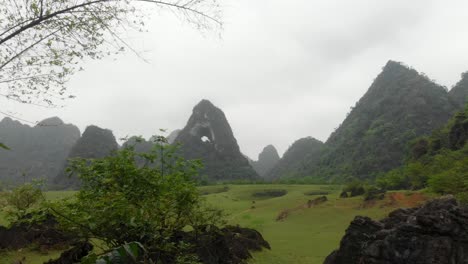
x=459, y=93
x=435, y=233
x=267, y=159
x=37, y=152
x=293, y=160
x=208, y=136
x=40, y=232
x=74, y=254
x=95, y=143
x=401, y=105
x=230, y=244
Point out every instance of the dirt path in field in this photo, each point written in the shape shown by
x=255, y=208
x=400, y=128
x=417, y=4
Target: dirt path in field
x=399, y=199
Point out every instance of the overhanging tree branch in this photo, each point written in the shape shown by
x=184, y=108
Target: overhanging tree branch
x=42, y=43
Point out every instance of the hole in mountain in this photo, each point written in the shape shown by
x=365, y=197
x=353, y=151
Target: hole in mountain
x=204, y=133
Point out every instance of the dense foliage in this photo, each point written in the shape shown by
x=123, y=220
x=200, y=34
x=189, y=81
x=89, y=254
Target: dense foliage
x=22, y=201
x=439, y=161
x=121, y=201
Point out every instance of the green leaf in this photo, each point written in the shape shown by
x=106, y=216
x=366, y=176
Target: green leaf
x=3, y=146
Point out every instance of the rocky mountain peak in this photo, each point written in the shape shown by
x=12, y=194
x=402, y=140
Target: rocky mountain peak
x=269, y=152
x=8, y=122
x=302, y=151
x=94, y=143
x=52, y=121
x=400, y=105
x=267, y=159
x=209, y=125
x=393, y=65
x=208, y=136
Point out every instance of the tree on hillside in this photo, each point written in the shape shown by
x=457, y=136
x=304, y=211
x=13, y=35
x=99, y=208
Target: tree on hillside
x=43, y=42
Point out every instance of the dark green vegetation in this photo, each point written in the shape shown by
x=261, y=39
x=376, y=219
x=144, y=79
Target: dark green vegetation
x=208, y=137
x=400, y=106
x=459, y=93
x=22, y=201
x=296, y=158
x=439, y=161
x=34, y=152
x=95, y=143
x=267, y=159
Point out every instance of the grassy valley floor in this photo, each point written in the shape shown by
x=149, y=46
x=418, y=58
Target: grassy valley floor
x=305, y=235
x=302, y=235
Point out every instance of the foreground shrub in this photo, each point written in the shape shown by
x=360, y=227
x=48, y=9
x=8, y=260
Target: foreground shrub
x=453, y=180
x=355, y=188
x=23, y=200
x=121, y=201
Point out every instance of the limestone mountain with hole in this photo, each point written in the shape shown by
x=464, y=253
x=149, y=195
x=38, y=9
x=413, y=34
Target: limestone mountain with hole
x=209, y=137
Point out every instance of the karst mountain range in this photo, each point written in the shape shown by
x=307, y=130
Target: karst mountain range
x=399, y=106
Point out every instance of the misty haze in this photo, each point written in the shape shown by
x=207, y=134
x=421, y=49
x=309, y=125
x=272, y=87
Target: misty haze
x=233, y=132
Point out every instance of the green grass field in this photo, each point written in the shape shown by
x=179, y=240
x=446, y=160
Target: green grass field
x=306, y=235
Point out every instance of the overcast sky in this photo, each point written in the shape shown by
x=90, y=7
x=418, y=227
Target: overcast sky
x=280, y=71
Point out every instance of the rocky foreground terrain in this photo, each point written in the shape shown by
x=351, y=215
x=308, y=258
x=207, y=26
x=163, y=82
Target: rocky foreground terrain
x=435, y=233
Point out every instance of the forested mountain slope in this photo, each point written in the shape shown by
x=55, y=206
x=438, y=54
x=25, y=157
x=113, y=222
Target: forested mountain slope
x=459, y=93
x=94, y=143
x=439, y=161
x=294, y=159
x=399, y=106
x=37, y=152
